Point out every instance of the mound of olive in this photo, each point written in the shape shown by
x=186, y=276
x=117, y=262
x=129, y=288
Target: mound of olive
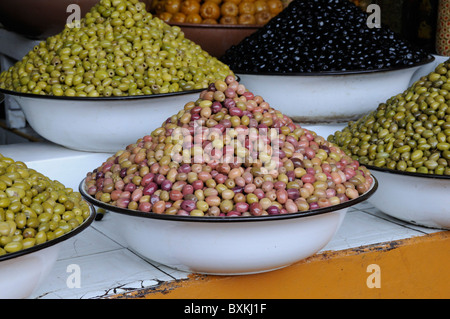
x=119, y=49
x=33, y=208
x=228, y=154
x=321, y=36
x=230, y=12
x=409, y=132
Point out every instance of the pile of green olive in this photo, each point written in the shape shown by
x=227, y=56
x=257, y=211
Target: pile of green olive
x=33, y=208
x=228, y=154
x=119, y=49
x=409, y=132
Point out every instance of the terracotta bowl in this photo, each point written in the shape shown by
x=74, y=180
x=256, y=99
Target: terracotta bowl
x=216, y=38
x=39, y=19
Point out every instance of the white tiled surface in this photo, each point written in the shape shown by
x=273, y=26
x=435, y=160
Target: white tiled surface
x=107, y=267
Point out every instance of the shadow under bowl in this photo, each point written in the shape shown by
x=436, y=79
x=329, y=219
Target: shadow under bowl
x=40, y=19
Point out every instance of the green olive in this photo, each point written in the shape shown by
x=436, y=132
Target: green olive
x=117, y=41
x=30, y=205
x=409, y=132
x=13, y=246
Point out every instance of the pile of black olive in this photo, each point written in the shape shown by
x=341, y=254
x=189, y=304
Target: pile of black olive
x=318, y=36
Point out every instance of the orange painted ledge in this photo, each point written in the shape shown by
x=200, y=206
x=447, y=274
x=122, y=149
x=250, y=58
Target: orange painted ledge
x=417, y=267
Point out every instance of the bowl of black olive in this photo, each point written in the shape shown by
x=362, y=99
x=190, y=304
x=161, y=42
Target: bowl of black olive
x=321, y=62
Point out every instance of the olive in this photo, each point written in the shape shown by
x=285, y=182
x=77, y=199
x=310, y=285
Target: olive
x=310, y=36
x=31, y=204
x=231, y=167
x=122, y=51
x=421, y=140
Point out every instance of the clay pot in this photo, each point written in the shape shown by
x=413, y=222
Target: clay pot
x=216, y=38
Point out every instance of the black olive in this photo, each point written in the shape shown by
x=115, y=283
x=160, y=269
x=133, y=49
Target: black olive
x=320, y=35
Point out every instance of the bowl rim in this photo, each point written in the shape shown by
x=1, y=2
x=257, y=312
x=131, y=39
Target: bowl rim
x=224, y=219
x=99, y=98
x=430, y=58
x=55, y=241
x=403, y=173
x=216, y=26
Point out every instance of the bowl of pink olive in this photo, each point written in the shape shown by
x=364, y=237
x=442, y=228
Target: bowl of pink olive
x=227, y=186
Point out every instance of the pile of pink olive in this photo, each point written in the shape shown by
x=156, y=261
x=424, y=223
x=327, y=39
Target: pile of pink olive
x=229, y=153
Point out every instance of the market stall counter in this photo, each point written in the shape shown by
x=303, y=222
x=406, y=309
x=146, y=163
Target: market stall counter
x=369, y=249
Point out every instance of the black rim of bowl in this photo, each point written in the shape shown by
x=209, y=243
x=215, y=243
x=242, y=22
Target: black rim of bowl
x=403, y=173
x=100, y=98
x=55, y=241
x=103, y=98
x=427, y=60
x=224, y=219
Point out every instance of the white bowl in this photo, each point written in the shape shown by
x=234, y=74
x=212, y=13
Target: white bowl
x=428, y=68
x=22, y=272
x=227, y=245
x=329, y=97
x=419, y=199
x=99, y=124
x=325, y=129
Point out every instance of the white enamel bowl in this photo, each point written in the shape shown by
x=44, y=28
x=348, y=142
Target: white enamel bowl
x=99, y=124
x=329, y=97
x=227, y=245
x=419, y=199
x=22, y=272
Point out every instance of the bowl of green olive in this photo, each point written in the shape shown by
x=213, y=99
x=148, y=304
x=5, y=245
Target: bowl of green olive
x=406, y=143
x=39, y=19
x=117, y=75
x=37, y=215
